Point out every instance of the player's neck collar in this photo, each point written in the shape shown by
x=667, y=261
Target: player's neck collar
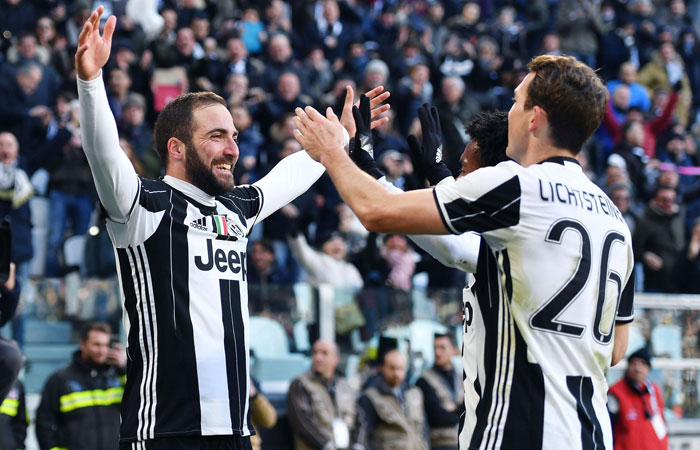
x=560, y=160
x=190, y=190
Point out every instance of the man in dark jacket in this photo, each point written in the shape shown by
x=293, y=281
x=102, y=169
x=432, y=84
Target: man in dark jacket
x=13, y=418
x=443, y=395
x=658, y=240
x=80, y=404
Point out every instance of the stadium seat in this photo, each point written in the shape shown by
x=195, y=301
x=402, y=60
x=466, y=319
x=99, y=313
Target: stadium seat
x=421, y=334
x=301, y=336
x=74, y=251
x=267, y=338
x=666, y=341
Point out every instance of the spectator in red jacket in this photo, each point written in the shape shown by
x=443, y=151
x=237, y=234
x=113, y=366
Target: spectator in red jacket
x=637, y=408
x=653, y=127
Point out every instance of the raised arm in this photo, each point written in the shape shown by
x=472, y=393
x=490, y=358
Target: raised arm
x=115, y=178
x=377, y=209
x=296, y=173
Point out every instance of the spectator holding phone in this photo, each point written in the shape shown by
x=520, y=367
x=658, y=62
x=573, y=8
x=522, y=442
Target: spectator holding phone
x=80, y=403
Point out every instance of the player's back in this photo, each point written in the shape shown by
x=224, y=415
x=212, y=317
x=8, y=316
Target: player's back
x=547, y=293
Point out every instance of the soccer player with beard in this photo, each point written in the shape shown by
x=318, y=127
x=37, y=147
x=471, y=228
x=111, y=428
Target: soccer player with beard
x=180, y=243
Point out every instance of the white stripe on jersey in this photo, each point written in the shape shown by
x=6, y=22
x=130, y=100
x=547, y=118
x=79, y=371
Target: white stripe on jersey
x=510, y=367
x=147, y=388
x=154, y=357
x=505, y=361
x=172, y=274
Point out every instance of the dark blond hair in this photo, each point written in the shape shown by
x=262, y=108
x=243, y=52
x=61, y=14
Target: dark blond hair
x=572, y=95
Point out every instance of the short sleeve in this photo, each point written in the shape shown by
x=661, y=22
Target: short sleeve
x=485, y=200
x=625, y=311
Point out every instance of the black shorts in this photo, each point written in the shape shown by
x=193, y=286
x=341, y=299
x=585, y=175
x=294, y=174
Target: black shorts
x=192, y=443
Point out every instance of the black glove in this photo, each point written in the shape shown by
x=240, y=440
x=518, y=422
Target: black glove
x=361, y=146
x=427, y=158
x=677, y=86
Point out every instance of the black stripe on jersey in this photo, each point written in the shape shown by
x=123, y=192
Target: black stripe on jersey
x=625, y=311
x=498, y=208
x=235, y=353
x=246, y=199
x=155, y=195
x=524, y=420
x=591, y=433
x=486, y=292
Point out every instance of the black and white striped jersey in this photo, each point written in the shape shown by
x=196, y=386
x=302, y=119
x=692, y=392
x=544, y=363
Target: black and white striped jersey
x=553, y=277
x=182, y=269
x=182, y=265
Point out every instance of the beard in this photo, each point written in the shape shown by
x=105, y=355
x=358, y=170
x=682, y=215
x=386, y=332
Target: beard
x=202, y=176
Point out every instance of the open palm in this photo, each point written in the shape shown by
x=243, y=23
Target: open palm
x=93, y=49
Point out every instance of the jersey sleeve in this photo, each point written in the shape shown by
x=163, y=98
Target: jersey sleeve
x=625, y=311
x=115, y=178
x=460, y=252
x=483, y=201
x=290, y=178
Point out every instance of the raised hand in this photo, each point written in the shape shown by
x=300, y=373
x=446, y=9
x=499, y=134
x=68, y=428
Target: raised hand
x=93, y=49
x=361, y=146
x=320, y=136
x=427, y=158
x=377, y=97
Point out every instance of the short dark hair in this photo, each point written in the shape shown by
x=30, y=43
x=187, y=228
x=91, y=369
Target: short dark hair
x=572, y=95
x=177, y=119
x=266, y=244
x=490, y=130
x=94, y=326
x=448, y=336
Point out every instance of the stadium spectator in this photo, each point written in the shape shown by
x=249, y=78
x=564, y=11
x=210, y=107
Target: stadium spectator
x=80, y=403
x=390, y=413
x=579, y=24
x=14, y=418
x=443, y=395
x=627, y=76
x=133, y=125
x=689, y=263
x=658, y=239
x=636, y=408
x=663, y=72
x=621, y=196
x=617, y=45
x=455, y=107
x=262, y=414
x=71, y=198
x=328, y=266
x=279, y=59
x=321, y=403
x=658, y=122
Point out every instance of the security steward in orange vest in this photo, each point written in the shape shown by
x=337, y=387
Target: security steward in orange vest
x=637, y=408
x=79, y=407
x=443, y=395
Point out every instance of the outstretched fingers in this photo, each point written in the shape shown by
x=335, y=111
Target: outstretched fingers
x=110, y=25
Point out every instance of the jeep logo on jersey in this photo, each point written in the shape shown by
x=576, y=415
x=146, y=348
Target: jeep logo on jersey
x=222, y=260
x=219, y=224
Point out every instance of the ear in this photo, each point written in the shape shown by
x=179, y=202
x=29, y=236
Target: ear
x=176, y=149
x=538, y=119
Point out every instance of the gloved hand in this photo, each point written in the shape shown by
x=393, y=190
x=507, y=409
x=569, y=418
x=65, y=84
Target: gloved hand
x=361, y=146
x=427, y=158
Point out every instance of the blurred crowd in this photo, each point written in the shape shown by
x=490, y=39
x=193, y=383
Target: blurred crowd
x=266, y=58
